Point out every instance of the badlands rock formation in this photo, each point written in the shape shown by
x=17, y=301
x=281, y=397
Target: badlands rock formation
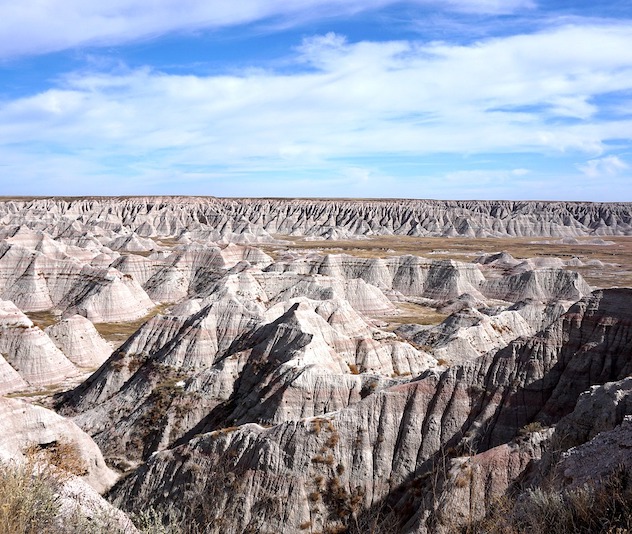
x=432, y=217
x=77, y=338
x=28, y=356
x=295, y=390
x=254, y=220
x=31, y=428
x=347, y=466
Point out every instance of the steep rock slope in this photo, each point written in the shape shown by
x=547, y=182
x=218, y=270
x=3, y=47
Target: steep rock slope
x=230, y=362
x=27, y=355
x=347, y=465
x=79, y=340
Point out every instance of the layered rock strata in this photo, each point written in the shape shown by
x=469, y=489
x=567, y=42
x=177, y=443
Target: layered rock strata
x=254, y=220
x=345, y=466
x=27, y=355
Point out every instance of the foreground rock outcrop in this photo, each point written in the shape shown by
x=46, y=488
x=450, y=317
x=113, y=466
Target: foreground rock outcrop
x=36, y=431
x=355, y=463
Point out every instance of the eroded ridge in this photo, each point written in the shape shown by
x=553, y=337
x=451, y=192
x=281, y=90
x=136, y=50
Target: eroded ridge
x=304, y=365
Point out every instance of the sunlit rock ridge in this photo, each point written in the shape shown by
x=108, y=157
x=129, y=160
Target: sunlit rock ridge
x=254, y=219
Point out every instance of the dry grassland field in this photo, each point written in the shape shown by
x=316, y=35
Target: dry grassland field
x=614, y=252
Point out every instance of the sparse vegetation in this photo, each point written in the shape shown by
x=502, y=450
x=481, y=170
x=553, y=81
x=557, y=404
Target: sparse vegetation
x=29, y=499
x=118, y=333
x=527, y=429
x=604, y=506
x=327, y=459
x=411, y=313
x=43, y=318
x=30, y=502
x=63, y=455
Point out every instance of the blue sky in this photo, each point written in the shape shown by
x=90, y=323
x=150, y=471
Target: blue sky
x=451, y=99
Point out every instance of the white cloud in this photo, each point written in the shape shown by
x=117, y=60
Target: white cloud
x=606, y=166
x=34, y=27
x=358, y=100
x=490, y=6
x=485, y=176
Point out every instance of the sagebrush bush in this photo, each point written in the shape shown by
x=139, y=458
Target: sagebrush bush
x=604, y=506
x=28, y=499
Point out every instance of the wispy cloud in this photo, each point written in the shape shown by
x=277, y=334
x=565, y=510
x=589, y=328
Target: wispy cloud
x=606, y=166
x=30, y=27
x=526, y=93
x=485, y=177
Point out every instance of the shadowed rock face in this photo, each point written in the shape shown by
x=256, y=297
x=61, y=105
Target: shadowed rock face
x=373, y=451
x=228, y=364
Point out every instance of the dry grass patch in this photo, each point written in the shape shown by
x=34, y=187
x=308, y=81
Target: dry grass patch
x=143, y=253
x=63, y=455
x=603, y=506
x=414, y=314
x=118, y=333
x=43, y=318
x=167, y=242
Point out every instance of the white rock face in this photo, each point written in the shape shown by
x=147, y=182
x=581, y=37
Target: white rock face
x=25, y=425
x=470, y=333
x=35, y=282
x=110, y=298
x=541, y=284
x=28, y=351
x=79, y=340
x=276, y=387
x=78, y=498
x=407, y=275
x=10, y=379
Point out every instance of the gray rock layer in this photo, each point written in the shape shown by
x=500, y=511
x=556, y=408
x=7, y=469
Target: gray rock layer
x=253, y=220
x=349, y=466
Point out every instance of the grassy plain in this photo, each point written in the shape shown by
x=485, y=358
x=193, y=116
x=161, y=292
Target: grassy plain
x=117, y=333
x=616, y=257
